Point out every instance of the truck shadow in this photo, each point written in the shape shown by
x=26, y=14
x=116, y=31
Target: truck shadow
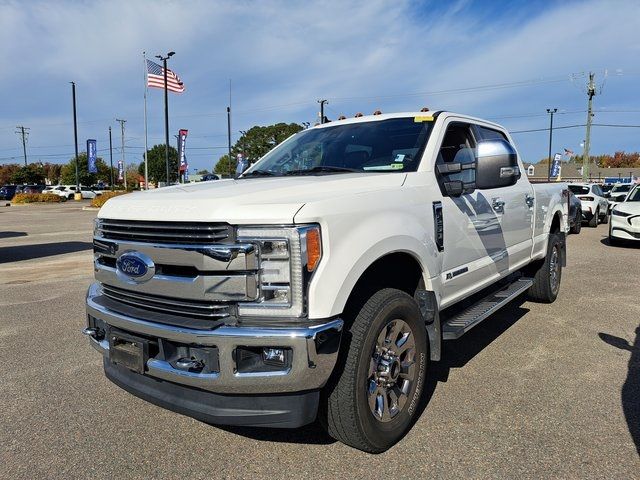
x=630, y=393
x=456, y=354
x=312, y=434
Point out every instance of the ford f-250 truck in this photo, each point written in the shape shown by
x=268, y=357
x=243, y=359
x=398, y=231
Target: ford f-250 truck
x=323, y=281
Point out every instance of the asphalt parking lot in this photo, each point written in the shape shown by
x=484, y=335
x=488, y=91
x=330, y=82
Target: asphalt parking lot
x=537, y=391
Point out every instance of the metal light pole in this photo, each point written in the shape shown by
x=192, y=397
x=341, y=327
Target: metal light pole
x=111, y=158
x=550, y=111
x=75, y=132
x=166, y=111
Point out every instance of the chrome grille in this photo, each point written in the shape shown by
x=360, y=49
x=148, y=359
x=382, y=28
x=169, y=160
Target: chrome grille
x=164, y=232
x=190, y=308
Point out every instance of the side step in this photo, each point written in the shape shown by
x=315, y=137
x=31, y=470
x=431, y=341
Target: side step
x=468, y=318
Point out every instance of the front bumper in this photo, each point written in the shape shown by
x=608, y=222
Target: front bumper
x=627, y=228
x=313, y=347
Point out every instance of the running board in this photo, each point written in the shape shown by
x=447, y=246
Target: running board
x=464, y=321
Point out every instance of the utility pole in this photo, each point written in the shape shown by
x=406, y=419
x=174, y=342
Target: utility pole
x=111, y=158
x=124, y=165
x=166, y=111
x=550, y=111
x=75, y=133
x=21, y=131
x=322, y=102
x=586, y=162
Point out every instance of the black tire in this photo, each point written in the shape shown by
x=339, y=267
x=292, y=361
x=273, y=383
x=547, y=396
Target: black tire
x=605, y=219
x=594, y=220
x=354, y=401
x=577, y=226
x=546, y=284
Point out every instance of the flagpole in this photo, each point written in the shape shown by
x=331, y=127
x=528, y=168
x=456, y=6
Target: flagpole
x=146, y=167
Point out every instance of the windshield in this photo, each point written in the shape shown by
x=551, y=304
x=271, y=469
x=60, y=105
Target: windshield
x=579, y=189
x=634, y=196
x=392, y=145
x=621, y=188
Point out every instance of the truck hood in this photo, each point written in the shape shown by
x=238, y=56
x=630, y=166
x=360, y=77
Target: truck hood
x=245, y=201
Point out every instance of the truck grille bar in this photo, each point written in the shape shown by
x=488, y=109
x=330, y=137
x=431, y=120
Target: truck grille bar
x=164, y=232
x=190, y=308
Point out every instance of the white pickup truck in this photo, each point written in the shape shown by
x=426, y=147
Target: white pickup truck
x=323, y=281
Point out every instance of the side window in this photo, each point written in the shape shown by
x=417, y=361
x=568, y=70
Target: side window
x=490, y=134
x=596, y=189
x=458, y=146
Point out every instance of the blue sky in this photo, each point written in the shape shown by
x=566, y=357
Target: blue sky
x=282, y=56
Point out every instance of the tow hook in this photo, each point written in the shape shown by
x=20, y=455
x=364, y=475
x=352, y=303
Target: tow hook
x=93, y=332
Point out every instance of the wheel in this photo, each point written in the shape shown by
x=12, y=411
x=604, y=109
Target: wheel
x=546, y=279
x=594, y=220
x=577, y=226
x=70, y=196
x=373, y=400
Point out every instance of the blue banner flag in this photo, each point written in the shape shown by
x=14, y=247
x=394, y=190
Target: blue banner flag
x=555, y=166
x=92, y=156
x=120, y=170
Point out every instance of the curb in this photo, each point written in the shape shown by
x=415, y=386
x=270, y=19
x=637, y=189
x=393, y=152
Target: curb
x=91, y=209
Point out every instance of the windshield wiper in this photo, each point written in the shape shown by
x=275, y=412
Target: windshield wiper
x=323, y=168
x=258, y=173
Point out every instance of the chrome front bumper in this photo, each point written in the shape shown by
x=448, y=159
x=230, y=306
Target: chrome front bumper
x=314, y=352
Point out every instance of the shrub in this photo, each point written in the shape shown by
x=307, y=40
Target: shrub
x=37, y=198
x=100, y=200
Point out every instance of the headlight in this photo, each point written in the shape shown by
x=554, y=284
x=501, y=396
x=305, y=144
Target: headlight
x=288, y=256
x=619, y=213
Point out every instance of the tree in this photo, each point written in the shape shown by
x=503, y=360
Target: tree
x=224, y=166
x=259, y=140
x=157, y=166
x=32, y=173
x=52, y=172
x=6, y=172
x=68, y=172
x=203, y=172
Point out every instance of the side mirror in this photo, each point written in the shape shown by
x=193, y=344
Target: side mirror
x=496, y=164
x=454, y=188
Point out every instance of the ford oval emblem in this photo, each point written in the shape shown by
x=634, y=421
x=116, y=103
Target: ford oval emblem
x=135, y=267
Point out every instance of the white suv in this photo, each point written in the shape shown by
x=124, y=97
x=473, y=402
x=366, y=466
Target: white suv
x=595, y=207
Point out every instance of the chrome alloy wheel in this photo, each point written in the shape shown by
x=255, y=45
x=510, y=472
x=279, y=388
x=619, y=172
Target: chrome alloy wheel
x=554, y=270
x=392, y=370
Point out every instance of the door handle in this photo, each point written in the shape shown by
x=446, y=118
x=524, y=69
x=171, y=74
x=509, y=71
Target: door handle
x=529, y=200
x=498, y=205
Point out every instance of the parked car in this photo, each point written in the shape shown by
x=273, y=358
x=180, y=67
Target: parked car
x=69, y=191
x=227, y=301
x=625, y=219
x=210, y=176
x=575, y=213
x=617, y=193
x=7, y=192
x=595, y=206
x=33, y=188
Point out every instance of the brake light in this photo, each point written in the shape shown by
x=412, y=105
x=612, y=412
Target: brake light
x=588, y=199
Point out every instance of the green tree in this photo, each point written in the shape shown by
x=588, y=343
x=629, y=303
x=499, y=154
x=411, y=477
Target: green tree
x=68, y=172
x=157, y=165
x=259, y=140
x=203, y=172
x=32, y=173
x=224, y=166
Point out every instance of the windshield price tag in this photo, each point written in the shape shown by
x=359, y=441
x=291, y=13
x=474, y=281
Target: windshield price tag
x=423, y=118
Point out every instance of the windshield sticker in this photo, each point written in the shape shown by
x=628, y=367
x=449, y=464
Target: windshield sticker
x=423, y=119
x=399, y=157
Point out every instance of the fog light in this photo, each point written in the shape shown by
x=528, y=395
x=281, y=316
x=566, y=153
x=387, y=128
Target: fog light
x=273, y=356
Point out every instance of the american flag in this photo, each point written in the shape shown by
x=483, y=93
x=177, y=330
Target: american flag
x=155, y=78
